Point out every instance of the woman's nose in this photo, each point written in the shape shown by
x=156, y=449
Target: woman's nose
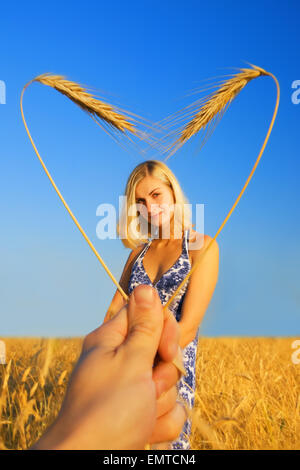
x=152, y=208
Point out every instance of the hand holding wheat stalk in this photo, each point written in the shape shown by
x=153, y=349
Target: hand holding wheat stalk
x=103, y=114
x=106, y=115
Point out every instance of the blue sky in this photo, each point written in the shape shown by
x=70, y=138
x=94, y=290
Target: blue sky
x=147, y=56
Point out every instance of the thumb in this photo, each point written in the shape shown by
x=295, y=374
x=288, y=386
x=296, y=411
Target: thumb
x=145, y=324
x=110, y=335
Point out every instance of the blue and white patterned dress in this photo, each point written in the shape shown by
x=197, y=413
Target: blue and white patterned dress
x=166, y=286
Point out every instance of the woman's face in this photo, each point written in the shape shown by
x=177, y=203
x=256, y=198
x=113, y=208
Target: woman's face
x=152, y=191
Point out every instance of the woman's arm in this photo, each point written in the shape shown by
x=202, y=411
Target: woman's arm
x=200, y=290
x=118, y=300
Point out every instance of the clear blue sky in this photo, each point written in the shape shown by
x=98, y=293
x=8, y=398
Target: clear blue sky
x=148, y=55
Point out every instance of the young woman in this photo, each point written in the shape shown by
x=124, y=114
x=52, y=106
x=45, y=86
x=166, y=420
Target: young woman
x=156, y=200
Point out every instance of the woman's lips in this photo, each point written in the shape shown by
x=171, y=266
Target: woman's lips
x=155, y=215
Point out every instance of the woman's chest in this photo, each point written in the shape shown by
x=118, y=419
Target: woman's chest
x=157, y=263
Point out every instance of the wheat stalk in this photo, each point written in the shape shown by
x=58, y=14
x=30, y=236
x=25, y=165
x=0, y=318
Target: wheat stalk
x=215, y=106
x=212, y=108
x=219, y=100
x=119, y=120
x=87, y=102
x=96, y=109
x=107, y=114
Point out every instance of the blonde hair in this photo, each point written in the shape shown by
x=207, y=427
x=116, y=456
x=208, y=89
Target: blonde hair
x=156, y=169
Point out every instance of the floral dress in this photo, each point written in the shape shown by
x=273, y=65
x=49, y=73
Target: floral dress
x=166, y=286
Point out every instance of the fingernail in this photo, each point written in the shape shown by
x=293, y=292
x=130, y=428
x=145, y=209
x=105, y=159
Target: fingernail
x=144, y=295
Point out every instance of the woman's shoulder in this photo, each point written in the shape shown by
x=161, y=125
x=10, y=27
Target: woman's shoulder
x=202, y=237
x=133, y=255
x=136, y=251
x=198, y=241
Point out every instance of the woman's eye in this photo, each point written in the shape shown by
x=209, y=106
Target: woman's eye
x=140, y=201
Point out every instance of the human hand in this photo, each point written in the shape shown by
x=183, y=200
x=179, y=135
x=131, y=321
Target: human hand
x=113, y=399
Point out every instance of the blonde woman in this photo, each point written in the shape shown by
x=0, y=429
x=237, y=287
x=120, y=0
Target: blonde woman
x=156, y=203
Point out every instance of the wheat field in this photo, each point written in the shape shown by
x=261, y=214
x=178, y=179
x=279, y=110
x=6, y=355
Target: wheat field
x=247, y=394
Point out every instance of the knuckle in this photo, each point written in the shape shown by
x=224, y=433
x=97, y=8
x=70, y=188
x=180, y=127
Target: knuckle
x=91, y=339
x=87, y=341
x=144, y=327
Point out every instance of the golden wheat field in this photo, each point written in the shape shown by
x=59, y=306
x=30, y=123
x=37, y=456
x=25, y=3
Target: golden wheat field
x=247, y=395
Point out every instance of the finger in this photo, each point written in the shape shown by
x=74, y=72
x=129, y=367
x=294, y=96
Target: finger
x=165, y=375
x=166, y=401
x=145, y=324
x=169, y=341
x=169, y=426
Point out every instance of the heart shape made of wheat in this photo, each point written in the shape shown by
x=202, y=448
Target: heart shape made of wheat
x=118, y=122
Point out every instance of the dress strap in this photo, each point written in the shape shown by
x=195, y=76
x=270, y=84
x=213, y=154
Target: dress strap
x=144, y=249
x=187, y=235
x=184, y=245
